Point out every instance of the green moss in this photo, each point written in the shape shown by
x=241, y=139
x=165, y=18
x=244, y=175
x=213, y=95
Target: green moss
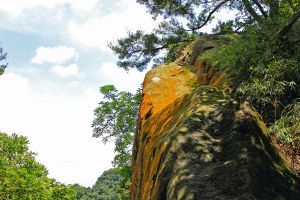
x=217, y=148
x=181, y=193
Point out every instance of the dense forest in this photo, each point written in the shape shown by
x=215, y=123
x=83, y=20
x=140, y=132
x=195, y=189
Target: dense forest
x=259, y=53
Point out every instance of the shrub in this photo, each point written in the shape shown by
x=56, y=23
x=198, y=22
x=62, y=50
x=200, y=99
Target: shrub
x=261, y=69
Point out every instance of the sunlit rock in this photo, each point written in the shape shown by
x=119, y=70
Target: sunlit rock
x=195, y=142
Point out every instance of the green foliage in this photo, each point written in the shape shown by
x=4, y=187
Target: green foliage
x=3, y=56
x=130, y=50
x=115, y=120
x=22, y=177
x=287, y=128
x=261, y=61
x=261, y=69
x=111, y=185
x=138, y=49
x=81, y=191
x=272, y=83
x=223, y=28
x=62, y=192
x=183, y=21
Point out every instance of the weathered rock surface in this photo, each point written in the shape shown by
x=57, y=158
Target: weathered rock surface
x=195, y=142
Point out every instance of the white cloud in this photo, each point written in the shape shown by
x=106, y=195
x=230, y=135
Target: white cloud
x=129, y=81
x=54, y=55
x=97, y=31
x=66, y=71
x=15, y=83
x=57, y=126
x=56, y=114
x=16, y=7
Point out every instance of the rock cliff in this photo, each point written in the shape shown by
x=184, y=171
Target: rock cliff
x=196, y=142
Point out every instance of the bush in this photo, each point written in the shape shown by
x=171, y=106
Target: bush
x=261, y=69
x=287, y=128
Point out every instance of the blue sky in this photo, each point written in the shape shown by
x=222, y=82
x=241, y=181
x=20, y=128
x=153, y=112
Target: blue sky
x=58, y=58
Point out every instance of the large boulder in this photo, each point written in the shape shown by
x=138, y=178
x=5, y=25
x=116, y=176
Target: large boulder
x=195, y=142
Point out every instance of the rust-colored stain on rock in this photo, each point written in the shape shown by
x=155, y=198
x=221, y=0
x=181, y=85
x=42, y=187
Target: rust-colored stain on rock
x=194, y=142
x=164, y=91
x=164, y=84
x=207, y=75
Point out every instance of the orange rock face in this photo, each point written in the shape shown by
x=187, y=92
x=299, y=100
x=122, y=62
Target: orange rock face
x=194, y=142
x=163, y=85
x=164, y=91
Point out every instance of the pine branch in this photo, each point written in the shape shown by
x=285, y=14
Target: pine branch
x=287, y=27
x=252, y=12
x=209, y=16
x=261, y=9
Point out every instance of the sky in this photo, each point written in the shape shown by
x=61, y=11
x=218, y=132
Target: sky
x=58, y=58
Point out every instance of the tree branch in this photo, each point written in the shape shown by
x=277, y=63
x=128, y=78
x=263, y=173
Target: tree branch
x=209, y=15
x=163, y=46
x=242, y=25
x=252, y=12
x=283, y=31
x=261, y=9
